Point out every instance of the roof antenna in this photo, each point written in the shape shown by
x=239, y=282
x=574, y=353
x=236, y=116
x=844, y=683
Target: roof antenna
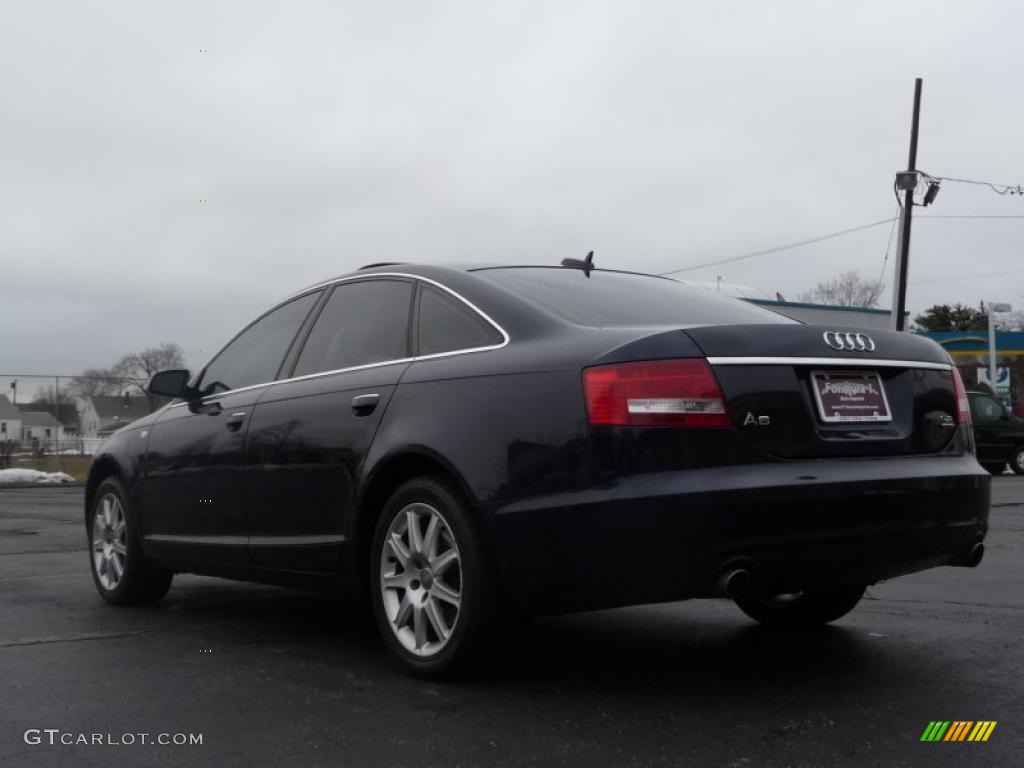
x=586, y=264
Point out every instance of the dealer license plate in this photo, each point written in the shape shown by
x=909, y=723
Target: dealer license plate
x=846, y=396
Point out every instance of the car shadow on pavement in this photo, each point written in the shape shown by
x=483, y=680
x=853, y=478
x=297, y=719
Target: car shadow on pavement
x=668, y=647
x=658, y=647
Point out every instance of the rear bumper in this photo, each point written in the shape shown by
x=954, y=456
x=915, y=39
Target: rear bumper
x=669, y=535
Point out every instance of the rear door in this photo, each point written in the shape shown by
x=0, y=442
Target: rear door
x=310, y=434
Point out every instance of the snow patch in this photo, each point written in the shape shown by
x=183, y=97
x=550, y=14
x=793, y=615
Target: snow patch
x=12, y=476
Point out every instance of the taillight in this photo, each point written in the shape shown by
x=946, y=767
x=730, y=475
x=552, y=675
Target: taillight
x=963, y=405
x=680, y=393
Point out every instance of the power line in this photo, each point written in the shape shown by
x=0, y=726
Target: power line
x=832, y=235
x=888, y=245
x=965, y=216
x=1001, y=189
x=61, y=376
x=813, y=240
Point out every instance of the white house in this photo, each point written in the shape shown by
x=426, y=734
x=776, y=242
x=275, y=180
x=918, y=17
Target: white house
x=10, y=421
x=41, y=428
x=100, y=416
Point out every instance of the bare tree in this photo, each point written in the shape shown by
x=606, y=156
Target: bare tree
x=94, y=381
x=138, y=368
x=47, y=396
x=847, y=290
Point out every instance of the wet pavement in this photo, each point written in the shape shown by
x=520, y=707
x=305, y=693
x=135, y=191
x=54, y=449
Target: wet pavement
x=274, y=677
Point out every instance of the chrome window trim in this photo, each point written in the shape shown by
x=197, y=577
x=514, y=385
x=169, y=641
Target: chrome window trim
x=859, y=362
x=331, y=283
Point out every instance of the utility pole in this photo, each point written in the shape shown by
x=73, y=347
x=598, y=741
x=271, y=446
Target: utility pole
x=992, y=308
x=906, y=182
x=56, y=429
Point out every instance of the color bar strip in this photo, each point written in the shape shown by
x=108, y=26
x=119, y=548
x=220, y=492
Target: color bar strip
x=935, y=730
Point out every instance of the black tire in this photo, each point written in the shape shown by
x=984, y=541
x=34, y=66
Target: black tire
x=139, y=583
x=478, y=626
x=994, y=469
x=1017, y=460
x=802, y=609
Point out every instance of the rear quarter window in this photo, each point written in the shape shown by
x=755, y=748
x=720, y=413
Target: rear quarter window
x=447, y=325
x=614, y=299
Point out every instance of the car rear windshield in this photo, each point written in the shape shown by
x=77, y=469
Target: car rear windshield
x=624, y=299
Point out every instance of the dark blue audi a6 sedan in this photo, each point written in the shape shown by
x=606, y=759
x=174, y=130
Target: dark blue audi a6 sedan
x=468, y=446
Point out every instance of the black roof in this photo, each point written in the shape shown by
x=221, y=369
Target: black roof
x=66, y=414
x=38, y=419
x=131, y=408
x=8, y=411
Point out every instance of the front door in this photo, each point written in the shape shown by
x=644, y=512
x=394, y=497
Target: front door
x=191, y=504
x=192, y=494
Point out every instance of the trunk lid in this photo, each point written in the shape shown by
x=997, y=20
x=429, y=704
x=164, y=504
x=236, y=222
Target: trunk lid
x=805, y=391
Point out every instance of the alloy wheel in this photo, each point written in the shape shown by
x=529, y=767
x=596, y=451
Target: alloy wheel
x=109, y=542
x=421, y=579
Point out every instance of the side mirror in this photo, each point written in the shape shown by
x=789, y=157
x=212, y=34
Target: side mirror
x=170, y=383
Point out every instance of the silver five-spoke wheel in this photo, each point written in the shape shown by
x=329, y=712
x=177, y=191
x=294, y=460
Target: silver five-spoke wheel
x=109, y=547
x=421, y=579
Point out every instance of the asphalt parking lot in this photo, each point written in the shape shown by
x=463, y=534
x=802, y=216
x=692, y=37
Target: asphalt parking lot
x=274, y=677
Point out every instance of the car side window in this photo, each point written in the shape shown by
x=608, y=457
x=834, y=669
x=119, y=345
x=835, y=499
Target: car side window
x=447, y=324
x=254, y=356
x=987, y=409
x=363, y=322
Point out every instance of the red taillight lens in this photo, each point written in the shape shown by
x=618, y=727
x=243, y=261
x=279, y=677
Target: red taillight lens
x=680, y=393
x=963, y=405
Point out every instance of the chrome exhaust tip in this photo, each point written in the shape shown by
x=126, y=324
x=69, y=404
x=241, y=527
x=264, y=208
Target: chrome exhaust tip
x=973, y=556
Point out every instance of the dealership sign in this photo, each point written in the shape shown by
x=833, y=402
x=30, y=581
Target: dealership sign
x=1002, y=386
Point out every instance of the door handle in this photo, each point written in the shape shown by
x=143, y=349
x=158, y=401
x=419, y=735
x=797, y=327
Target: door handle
x=364, y=405
x=234, y=421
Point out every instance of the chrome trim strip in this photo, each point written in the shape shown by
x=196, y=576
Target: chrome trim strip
x=406, y=275
x=504, y=335
x=860, y=362
x=317, y=540
x=215, y=541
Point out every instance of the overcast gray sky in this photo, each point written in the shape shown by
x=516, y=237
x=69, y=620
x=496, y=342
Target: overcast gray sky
x=329, y=135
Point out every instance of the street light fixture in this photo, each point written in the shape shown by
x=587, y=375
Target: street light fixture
x=992, y=309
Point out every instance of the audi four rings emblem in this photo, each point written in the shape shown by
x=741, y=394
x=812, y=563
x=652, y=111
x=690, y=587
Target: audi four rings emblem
x=849, y=342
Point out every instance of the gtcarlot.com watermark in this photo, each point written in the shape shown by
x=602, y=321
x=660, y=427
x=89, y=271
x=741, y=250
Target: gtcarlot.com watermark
x=55, y=736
